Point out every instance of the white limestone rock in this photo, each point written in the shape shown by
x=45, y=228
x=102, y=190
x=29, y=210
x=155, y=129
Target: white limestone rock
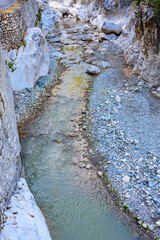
x=24, y=219
x=32, y=60
x=110, y=27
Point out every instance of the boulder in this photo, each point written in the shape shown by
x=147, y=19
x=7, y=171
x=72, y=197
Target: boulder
x=110, y=27
x=49, y=18
x=32, y=60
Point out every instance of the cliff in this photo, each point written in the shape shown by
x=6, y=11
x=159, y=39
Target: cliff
x=10, y=161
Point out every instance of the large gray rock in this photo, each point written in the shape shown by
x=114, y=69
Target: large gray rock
x=110, y=27
x=32, y=61
x=49, y=18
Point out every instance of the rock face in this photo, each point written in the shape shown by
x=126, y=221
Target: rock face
x=110, y=27
x=24, y=219
x=10, y=162
x=32, y=61
x=13, y=24
x=141, y=43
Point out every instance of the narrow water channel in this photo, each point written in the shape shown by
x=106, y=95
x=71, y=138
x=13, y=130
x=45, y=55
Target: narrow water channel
x=72, y=199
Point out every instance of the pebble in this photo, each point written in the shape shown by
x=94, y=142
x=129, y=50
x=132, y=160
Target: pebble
x=100, y=174
x=118, y=99
x=88, y=52
x=144, y=225
x=126, y=179
x=158, y=223
x=88, y=166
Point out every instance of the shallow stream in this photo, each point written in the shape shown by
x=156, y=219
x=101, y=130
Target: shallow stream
x=72, y=198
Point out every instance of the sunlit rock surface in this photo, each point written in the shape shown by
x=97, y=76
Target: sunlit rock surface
x=32, y=60
x=24, y=219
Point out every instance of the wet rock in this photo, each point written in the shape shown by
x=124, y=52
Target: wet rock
x=93, y=70
x=110, y=27
x=65, y=11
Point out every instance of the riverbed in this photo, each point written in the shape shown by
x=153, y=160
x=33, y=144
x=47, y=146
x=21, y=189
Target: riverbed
x=67, y=186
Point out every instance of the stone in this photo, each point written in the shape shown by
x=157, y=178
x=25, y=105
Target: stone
x=55, y=40
x=32, y=60
x=158, y=89
x=93, y=70
x=56, y=55
x=110, y=27
x=158, y=223
x=100, y=174
x=88, y=166
x=144, y=225
x=88, y=52
x=103, y=64
x=158, y=171
x=118, y=99
x=86, y=27
x=126, y=179
x=109, y=37
x=12, y=54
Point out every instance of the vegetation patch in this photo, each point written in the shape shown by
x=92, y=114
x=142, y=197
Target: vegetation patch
x=154, y=4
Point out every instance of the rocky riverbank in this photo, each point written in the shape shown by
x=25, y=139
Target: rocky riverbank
x=123, y=125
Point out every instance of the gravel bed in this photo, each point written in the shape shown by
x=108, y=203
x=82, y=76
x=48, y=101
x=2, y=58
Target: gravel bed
x=123, y=120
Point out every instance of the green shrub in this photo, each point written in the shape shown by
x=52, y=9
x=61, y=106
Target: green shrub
x=155, y=4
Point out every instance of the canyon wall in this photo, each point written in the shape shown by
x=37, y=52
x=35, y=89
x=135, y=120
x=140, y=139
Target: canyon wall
x=14, y=23
x=140, y=41
x=10, y=161
x=140, y=38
